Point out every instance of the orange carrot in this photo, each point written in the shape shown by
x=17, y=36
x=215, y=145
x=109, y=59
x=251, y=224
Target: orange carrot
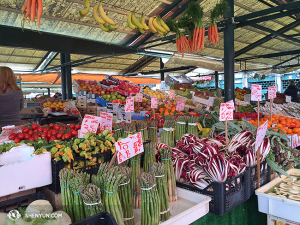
x=217, y=34
x=39, y=11
x=28, y=10
x=213, y=34
x=209, y=34
x=203, y=38
x=200, y=39
x=196, y=38
x=33, y=10
x=24, y=8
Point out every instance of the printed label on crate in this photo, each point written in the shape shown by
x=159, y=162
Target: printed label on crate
x=288, y=98
x=129, y=147
x=256, y=92
x=272, y=92
x=171, y=94
x=89, y=123
x=180, y=105
x=6, y=131
x=106, y=121
x=226, y=112
x=153, y=102
x=139, y=97
x=129, y=107
x=260, y=136
x=274, y=220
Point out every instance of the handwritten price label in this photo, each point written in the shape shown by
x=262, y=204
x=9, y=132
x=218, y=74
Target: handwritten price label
x=129, y=106
x=129, y=147
x=230, y=105
x=272, y=92
x=89, y=124
x=153, y=102
x=139, y=97
x=171, y=94
x=226, y=112
x=106, y=121
x=256, y=92
x=260, y=136
x=180, y=105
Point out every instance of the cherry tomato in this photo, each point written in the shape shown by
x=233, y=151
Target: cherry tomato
x=25, y=129
x=35, y=137
x=77, y=126
x=56, y=127
x=48, y=135
x=12, y=136
x=44, y=135
x=40, y=129
x=67, y=136
x=52, y=138
x=26, y=136
x=63, y=137
x=34, y=126
x=35, y=131
x=20, y=136
x=74, y=133
x=58, y=135
x=53, y=132
x=31, y=139
x=17, y=140
x=39, y=134
x=51, y=125
x=30, y=132
x=72, y=126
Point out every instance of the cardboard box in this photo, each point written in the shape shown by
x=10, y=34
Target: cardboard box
x=91, y=109
x=82, y=111
x=81, y=95
x=81, y=103
x=24, y=170
x=91, y=98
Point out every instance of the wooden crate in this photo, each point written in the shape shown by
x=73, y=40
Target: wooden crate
x=14, y=196
x=54, y=199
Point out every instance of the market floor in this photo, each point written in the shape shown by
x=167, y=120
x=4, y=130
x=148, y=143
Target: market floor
x=245, y=214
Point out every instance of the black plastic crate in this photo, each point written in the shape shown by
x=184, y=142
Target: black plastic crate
x=224, y=197
x=15, y=203
x=265, y=176
x=57, y=166
x=103, y=218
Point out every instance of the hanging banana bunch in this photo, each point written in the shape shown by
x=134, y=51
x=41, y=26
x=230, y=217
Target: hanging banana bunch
x=133, y=22
x=86, y=9
x=105, y=23
x=157, y=25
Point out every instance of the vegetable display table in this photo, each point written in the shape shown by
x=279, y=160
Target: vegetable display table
x=245, y=214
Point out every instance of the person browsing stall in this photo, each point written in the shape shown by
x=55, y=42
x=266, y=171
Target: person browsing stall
x=292, y=91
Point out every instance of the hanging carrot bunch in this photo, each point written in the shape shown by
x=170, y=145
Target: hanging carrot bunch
x=33, y=8
x=219, y=10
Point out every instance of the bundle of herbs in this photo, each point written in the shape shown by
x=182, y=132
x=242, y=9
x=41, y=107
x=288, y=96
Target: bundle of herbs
x=119, y=131
x=134, y=164
x=142, y=127
x=150, y=151
x=91, y=196
x=153, y=131
x=180, y=128
x=192, y=127
x=158, y=169
x=167, y=134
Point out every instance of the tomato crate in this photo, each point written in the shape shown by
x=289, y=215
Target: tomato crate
x=103, y=218
x=265, y=177
x=57, y=166
x=224, y=196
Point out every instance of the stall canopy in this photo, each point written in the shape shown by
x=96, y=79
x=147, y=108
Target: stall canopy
x=54, y=78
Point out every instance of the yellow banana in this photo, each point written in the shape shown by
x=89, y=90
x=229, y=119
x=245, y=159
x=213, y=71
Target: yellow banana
x=142, y=21
x=110, y=27
x=104, y=16
x=129, y=22
x=86, y=8
x=150, y=24
x=162, y=23
x=96, y=16
x=142, y=31
x=103, y=27
x=161, y=33
x=135, y=21
x=158, y=27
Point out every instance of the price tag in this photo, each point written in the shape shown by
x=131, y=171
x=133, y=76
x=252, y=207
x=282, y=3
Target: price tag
x=256, y=92
x=288, y=98
x=207, y=108
x=129, y=147
x=230, y=105
x=129, y=106
x=226, y=112
x=260, y=136
x=272, y=92
x=89, y=124
x=153, y=102
x=106, y=121
x=294, y=141
x=171, y=94
x=139, y=97
x=180, y=105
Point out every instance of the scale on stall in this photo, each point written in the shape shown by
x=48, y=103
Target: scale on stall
x=32, y=110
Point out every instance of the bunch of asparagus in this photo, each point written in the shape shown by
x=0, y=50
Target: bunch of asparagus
x=153, y=131
x=167, y=134
x=130, y=129
x=141, y=126
x=165, y=154
x=66, y=194
x=150, y=199
x=192, y=127
x=98, y=179
x=158, y=169
x=91, y=196
x=180, y=128
x=135, y=186
x=150, y=150
x=119, y=131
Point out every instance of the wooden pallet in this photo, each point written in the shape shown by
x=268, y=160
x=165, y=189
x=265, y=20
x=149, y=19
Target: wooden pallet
x=16, y=195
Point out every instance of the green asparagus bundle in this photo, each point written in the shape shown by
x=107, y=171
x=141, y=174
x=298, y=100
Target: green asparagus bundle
x=77, y=180
x=161, y=183
x=167, y=134
x=151, y=200
x=153, y=131
x=141, y=126
x=124, y=192
x=180, y=128
x=171, y=118
x=165, y=154
x=150, y=150
x=91, y=196
x=192, y=127
x=130, y=129
x=112, y=200
x=135, y=186
x=66, y=194
x=119, y=131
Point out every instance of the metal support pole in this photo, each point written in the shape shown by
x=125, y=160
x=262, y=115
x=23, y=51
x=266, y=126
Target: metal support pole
x=229, y=55
x=162, y=74
x=63, y=76
x=68, y=76
x=216, y=79
x=48, y=92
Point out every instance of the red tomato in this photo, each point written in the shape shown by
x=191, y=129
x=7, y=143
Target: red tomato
x=67, y=136
x=26, y=136
x=74, y=133
x=52, y=138
x=30, y=132
x=72, y=126
x=35, y=131
x=56, y=127
x=35, y=137
x=51, y=125
x=39, y=134
x=58, y=135
x=25, y=129
x=63, y=137
x=17, y=140
x=53, y=132
x=48, y=135
x=12, y=136
x=31, y=139
x=40, y=129
x=20, y=136
x=44, y=135
x=34, y=126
